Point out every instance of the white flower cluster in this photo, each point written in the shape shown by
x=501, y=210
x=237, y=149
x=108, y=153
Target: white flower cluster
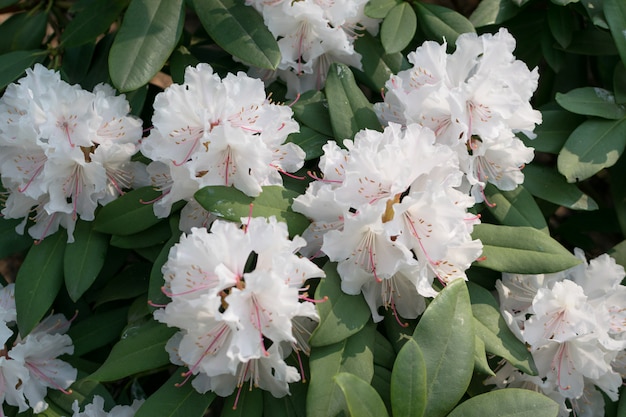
x=474, y=100
x=63, y=150
x=388, y=211
x=311, y=35
x=238, y=301
x=212, y=131
x=96, y=409
x=574, y=323
x=30, y=366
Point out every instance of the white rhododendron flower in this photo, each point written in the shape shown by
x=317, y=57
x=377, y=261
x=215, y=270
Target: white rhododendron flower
x=236, y=293
x=64, y=151
x=475, y=100
x=96, y=409
x=213, y=131
x=573, y=322
x=387, y=210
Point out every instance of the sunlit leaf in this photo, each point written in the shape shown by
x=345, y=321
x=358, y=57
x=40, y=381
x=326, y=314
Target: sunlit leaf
x=408, y=382
x=592, y=101
x=398, y=28
x=510, y=402
x=361, y=398
x=515, y=208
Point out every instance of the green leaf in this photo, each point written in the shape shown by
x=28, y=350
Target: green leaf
x=82, y=391
x=244, y=403
x=310, y=141
x=510, y=402
x=592, y=101
x=10, y=241
x=23, y=31
x=618, y=191
x=84, y=258
x=128, y=214
x=592, y=41
x=619, y=253
x=311, y=109
x=97, y=330
x=240, y=31
x=491, y=328
x=353, y=355
x=381, y=382
x=13, y=64
x=38, y=281
x=594, y=145
x=378, y=9
x=93, y=18
x=341, y=315
x=493, y=12
x=180, y=59
x=155, y=295
x=595, y=11
x=378, y=66
x=480, y=355
x=515, y=208
x=439, y=22
x=146, y=38
x=449, y=362
x=553, y=132
x=73, y=68
x=175, y=400
x=398, y=28
x=130, y=283
x=384, y=354
x=408, y=382
x=561, y=24
x=615, y=14
x=546, y=183
x=349, y=109
x=292, y=405
x=521, y=250
x=619, y=83
x=154, y=235
x=361, y=398
x=141, y=348
x=232, y=204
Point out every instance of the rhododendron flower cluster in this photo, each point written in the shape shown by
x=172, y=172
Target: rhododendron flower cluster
x=311, y=35
x=388, y=211
x=475, y=100
x=212, y=131
x=237, y=298
x=96, y=409
x=574, y=323
x=30, y=365
x=64, y=151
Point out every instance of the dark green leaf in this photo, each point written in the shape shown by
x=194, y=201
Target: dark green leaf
x=515, y=208
x=615, y=14
x=141, y=348
x=619, y=83
x=136, y=100
x=145, y=40
x=618, y=252
x=10, y=241
x=408, y=382
x=561, y=23
x=311, y=109
x=595, y=11
x=378, y=66
x=244, y=403
x=181, y=58
x=592, y=101
x=378, y=9
x=175, y=400
x=154, y=235
x=546, y=183
x=449, y=363
x=23, y=31
x=384, y=354
x=239, y=30
x=521, y=250
x=618, y=191
x=39, y=280
x=130, y=283
x=510, y=402
x=97, y=330
x=292, y=405
x=93, y=18
x=84, y=258
x=491, y=12
x=342, y=315
x=553, y=132
x=13, y=64
x=310, y=141
x=129, y=214
x=75, y=62
x=155, y=295
x=480, y=355
x=439, y=22
x=361, y=398
x=82, y=391
x=398, y=28
x=592, y=42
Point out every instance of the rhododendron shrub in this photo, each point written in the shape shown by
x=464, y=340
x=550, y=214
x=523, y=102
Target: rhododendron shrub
x=312, y=208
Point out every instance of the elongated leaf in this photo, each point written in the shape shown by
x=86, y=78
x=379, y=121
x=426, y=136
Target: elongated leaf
x=13, y=64
x=515, y=208
x=128, y=214
x=449, y=362
x=491, y=12
x=82, y=391
x=592, y=41
x=521, y=250
x=510, y=402
x=619, y=253
x=172, y=400
x=553, y=132
x=10, y=241
x=292, y=405
x=353, y=355
x=130, y=283
x=84, y=258
x=618, y=191
x=561, y=24
x=244, y=403
x=547, y=184
x=615, y=13
x=141, y=348
x=232, y=204
x=361, y=398
x=378, y=9
x=312, y=110
x=310, y=141
x=146, y=38
x=439, y=22
x=97, y=330
x=154, y=235
x=619, y=83
x=381, y=382
x=591, y=101
x=384, y=354
x=378, y=66
x=39, y=280
x=480, y=356
x=155, y=295
x=408, y=382
x=342, y=315
x=93, y=18
x=398, y=28
x=594, y=145
x=240, y=31
x=23, y=31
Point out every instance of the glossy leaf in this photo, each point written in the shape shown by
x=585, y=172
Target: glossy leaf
x=292, y=405
x=239, y=30
x=310, y=141
x=510, y=402
x=546, y=183
x=491, y=12
x=398, y=28
x=141, y=348
x=172, y=400
x=244, y=403
x=592, y=101
x=521, y=250
x=554, y=130
x=378, y=9
x=440, y=22
x=349, y=109
x=146, y=38
x=615, y=14
x=408, y=382
x=154, y=235
x=341, y=315
x=130, y=283
x=361, y=398
x=23, y=31
x=13, y=64
x=594, y=145
x=39, y=280
x=128, y=214
x=82, y=391
x=378, y=66
x=97, y=330
x=311, y=109
x=515, y=208
x=84, y=258
x=448, y=368
x=92, y=18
